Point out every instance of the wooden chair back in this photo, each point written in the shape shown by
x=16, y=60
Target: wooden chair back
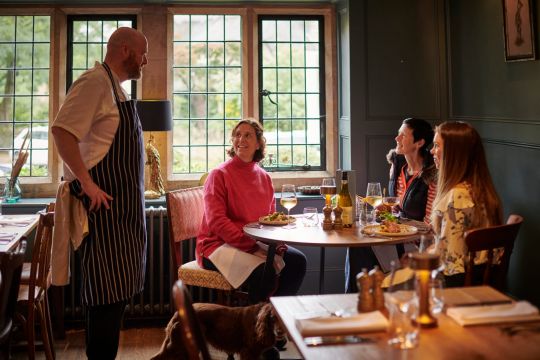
x=192, y=336
x=492, y=238
x=41, y=254
x=185, y=211
x=10, y=271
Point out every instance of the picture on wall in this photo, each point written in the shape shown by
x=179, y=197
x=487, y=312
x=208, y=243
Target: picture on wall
x=518, y=30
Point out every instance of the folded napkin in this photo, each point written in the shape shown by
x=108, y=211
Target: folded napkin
x=7, y=236
x=334, y=325
x=19, y=221
x=476, y=315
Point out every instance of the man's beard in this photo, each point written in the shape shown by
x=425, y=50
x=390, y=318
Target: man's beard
x=132, y=67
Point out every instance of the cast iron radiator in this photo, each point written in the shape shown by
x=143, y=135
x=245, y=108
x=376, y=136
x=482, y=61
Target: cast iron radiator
x=154, y=304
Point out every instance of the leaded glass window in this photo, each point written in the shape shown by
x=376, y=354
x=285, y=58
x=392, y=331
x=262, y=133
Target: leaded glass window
x=24, y=91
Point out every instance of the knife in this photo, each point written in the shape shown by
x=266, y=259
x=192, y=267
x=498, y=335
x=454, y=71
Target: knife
x=335, y=340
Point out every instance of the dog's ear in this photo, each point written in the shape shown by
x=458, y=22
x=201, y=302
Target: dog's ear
x=264, y=327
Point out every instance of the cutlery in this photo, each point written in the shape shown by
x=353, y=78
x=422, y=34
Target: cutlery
x=335, y=340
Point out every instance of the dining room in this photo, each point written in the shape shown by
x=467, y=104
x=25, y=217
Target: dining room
x=331, y=82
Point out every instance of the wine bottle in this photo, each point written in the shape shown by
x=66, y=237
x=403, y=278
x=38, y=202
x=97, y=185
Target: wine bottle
x=345, y=201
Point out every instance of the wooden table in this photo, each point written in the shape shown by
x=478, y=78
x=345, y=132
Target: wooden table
x=19, y=231
x=316, y=236
x=448, y=341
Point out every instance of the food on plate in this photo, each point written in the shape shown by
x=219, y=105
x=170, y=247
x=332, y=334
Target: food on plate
x=390, y=226
x=276, y=216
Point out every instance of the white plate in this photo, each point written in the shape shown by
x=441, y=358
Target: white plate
x=376, y=229
x=275, y=222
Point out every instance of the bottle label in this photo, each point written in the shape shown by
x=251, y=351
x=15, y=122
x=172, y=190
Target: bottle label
x=347, y=216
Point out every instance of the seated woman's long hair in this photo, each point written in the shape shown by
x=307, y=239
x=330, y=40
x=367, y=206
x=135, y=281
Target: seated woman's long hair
x=464, y=160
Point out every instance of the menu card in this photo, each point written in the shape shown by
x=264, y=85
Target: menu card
x=474, y=295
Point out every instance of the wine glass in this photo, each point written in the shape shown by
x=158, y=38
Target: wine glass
x=288, y=201
x=328, y=188
x=373, y=194
x=393, y=202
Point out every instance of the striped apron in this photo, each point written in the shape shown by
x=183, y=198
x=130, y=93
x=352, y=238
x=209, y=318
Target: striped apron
x=113, y=255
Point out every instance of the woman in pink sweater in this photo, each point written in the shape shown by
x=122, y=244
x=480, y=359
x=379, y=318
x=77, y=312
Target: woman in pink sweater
x=237, y=192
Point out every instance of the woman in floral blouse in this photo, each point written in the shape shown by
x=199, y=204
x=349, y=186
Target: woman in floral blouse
x=466, y=198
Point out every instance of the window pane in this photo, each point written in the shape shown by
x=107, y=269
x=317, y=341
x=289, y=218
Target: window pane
x=89, y=43
x=293, y=46
x=216, y=29
x=208, y=48
x=24, y=89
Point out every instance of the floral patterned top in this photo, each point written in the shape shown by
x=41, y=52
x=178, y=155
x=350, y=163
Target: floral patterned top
x=453, y=216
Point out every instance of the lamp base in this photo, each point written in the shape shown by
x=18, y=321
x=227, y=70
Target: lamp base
x=151, y=194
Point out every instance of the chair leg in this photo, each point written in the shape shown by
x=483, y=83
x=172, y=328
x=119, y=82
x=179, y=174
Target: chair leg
x=48, y=326
x=45, y=330
x=30, y=331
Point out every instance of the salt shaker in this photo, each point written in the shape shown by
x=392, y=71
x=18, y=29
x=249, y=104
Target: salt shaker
x=365, y=295
x=377, y=277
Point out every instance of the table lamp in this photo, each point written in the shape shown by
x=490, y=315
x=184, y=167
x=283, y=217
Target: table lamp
x=155, y=115
x=424, y=264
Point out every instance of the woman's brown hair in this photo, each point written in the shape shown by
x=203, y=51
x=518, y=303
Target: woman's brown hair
x=464, y=160
x=260, y=152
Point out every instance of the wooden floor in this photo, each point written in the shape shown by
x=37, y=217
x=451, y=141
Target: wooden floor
x=135, y=344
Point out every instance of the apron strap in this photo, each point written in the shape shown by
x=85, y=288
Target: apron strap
x=112, y=82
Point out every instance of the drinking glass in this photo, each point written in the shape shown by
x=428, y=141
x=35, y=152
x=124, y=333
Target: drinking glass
x=311, y=218
x=402, y=306
x=393, y=202
x=328, y=188
x=288, y=201
x=373, y=194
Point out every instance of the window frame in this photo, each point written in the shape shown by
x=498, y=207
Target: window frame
x=43, y=183
x=322, y=82
x=251, y=88
x=70, y=18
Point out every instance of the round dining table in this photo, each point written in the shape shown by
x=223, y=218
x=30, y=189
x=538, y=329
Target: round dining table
x=316, y=236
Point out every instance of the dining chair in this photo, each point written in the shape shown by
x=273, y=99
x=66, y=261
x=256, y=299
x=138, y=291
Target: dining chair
x=191, y=333
x=491, y=239
x=185, y=210
x=33, y=297
x=25, y=275
x=10, y=275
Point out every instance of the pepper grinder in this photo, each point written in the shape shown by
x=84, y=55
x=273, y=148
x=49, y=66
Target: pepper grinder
x=377, y=277
x=365, y=295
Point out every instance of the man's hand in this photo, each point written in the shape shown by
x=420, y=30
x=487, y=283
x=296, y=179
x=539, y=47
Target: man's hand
x=97, y=196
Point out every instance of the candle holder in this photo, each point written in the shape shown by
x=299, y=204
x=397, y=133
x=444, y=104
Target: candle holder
x=424, y=265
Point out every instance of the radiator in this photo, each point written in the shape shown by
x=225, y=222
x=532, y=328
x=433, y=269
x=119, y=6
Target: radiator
x=153, y=305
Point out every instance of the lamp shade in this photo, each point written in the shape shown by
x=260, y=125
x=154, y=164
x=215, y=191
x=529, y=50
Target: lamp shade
x=155, y=115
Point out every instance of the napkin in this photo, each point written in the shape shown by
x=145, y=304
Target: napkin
x=335, y=325
x=7, y=236
x=475, y=315
x=19, y=221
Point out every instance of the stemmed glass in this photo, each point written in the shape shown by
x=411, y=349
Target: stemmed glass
x=288, y=201
x=373, y=194
x=328, y=188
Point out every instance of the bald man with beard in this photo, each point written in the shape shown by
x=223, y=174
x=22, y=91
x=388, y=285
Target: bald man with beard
x=98, y=135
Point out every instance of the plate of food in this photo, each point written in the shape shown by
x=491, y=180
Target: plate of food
x=390, y=228
x=277, y=219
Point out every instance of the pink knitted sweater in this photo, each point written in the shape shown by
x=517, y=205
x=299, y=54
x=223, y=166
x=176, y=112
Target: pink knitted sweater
x=235, y=193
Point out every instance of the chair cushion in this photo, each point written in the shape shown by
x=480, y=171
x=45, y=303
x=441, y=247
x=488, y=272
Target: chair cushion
x=192, y=274
x=186, y=210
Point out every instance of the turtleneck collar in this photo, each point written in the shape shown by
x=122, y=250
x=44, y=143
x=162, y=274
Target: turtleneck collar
x=236, y=161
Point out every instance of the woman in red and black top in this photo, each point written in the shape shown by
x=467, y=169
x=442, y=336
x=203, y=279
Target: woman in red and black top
x=413, y=178
x=412, y=173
